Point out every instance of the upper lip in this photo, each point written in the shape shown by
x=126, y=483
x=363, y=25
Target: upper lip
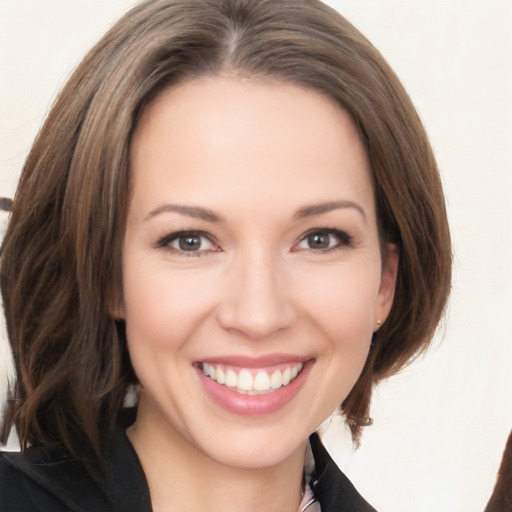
x=255, y=362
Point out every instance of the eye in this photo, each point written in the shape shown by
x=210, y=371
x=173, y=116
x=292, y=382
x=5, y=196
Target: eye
x=188, y=242
x=323, y=240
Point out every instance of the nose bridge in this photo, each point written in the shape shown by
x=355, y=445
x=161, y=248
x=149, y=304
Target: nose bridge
x=257, y=303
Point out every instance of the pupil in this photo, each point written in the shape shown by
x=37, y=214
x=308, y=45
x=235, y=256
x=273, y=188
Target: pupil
x=318, y=241
x=190, y=243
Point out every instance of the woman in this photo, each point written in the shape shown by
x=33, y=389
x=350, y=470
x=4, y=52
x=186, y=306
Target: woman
x=234, y=208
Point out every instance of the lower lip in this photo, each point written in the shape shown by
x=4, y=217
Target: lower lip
x=254, y=405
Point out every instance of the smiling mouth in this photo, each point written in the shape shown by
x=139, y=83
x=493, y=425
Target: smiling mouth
x=252, y=381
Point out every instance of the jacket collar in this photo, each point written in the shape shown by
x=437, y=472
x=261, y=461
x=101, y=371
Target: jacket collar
x=332, y=488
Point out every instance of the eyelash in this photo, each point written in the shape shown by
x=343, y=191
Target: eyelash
x=344, y=240
x=166, y=241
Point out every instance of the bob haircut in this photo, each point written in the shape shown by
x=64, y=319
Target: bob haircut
x=61, y=257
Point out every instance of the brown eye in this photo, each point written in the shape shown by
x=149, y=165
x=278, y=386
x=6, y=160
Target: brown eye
x=190, y=242
x=319, y=241
x=324, y=240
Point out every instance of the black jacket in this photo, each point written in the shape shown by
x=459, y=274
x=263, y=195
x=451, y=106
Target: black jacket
x=43, y=480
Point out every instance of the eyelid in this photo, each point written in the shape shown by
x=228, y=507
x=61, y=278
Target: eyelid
x=345, y=239
x=165, y=242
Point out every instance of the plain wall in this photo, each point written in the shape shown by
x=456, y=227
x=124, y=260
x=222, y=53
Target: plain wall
x=441, y=425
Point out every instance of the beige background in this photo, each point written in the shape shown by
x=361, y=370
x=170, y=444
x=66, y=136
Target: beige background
x=441, y=425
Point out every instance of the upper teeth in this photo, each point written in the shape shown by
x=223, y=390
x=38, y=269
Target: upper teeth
x=245, y=381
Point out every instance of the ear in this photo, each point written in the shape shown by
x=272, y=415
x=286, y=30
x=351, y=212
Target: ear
x=387, y=286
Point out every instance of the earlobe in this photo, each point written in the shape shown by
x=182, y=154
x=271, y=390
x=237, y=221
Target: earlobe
x=116, y=307
x=387, y=286
x=117, y=313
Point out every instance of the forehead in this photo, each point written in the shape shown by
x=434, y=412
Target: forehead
x=235, y=137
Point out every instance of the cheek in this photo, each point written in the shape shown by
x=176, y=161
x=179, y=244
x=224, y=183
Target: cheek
x=340, y=307
x=162, y=307
x=162, y=313
x=342, y=301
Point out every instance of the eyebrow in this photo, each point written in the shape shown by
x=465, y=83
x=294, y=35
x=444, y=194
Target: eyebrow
x=190, y=211
x=209, y=216
x=318, y=209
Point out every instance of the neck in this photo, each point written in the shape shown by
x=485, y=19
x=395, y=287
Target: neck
x=181, y=477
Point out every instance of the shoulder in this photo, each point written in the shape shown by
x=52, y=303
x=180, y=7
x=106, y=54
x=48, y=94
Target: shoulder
x=42, y=480
x=46, y=479
x=333, y=489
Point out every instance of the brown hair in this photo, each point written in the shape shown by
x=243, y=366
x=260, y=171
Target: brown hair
x=501, y=498
x=61, y=259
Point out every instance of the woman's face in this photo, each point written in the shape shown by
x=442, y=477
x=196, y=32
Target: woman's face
x=252, y=271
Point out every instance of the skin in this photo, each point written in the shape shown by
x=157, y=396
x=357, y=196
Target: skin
x=257, y=155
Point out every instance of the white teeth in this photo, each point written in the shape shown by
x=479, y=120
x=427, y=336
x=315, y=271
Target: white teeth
x=247, y=384
x=221, y=376
x=231, y=379
x=261, y=382
x=276, y=380
x=245, y=380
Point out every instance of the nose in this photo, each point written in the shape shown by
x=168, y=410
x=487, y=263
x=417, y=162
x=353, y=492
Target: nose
x=256, y=303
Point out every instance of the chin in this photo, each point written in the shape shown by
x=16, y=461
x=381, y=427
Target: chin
x=255, y=453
